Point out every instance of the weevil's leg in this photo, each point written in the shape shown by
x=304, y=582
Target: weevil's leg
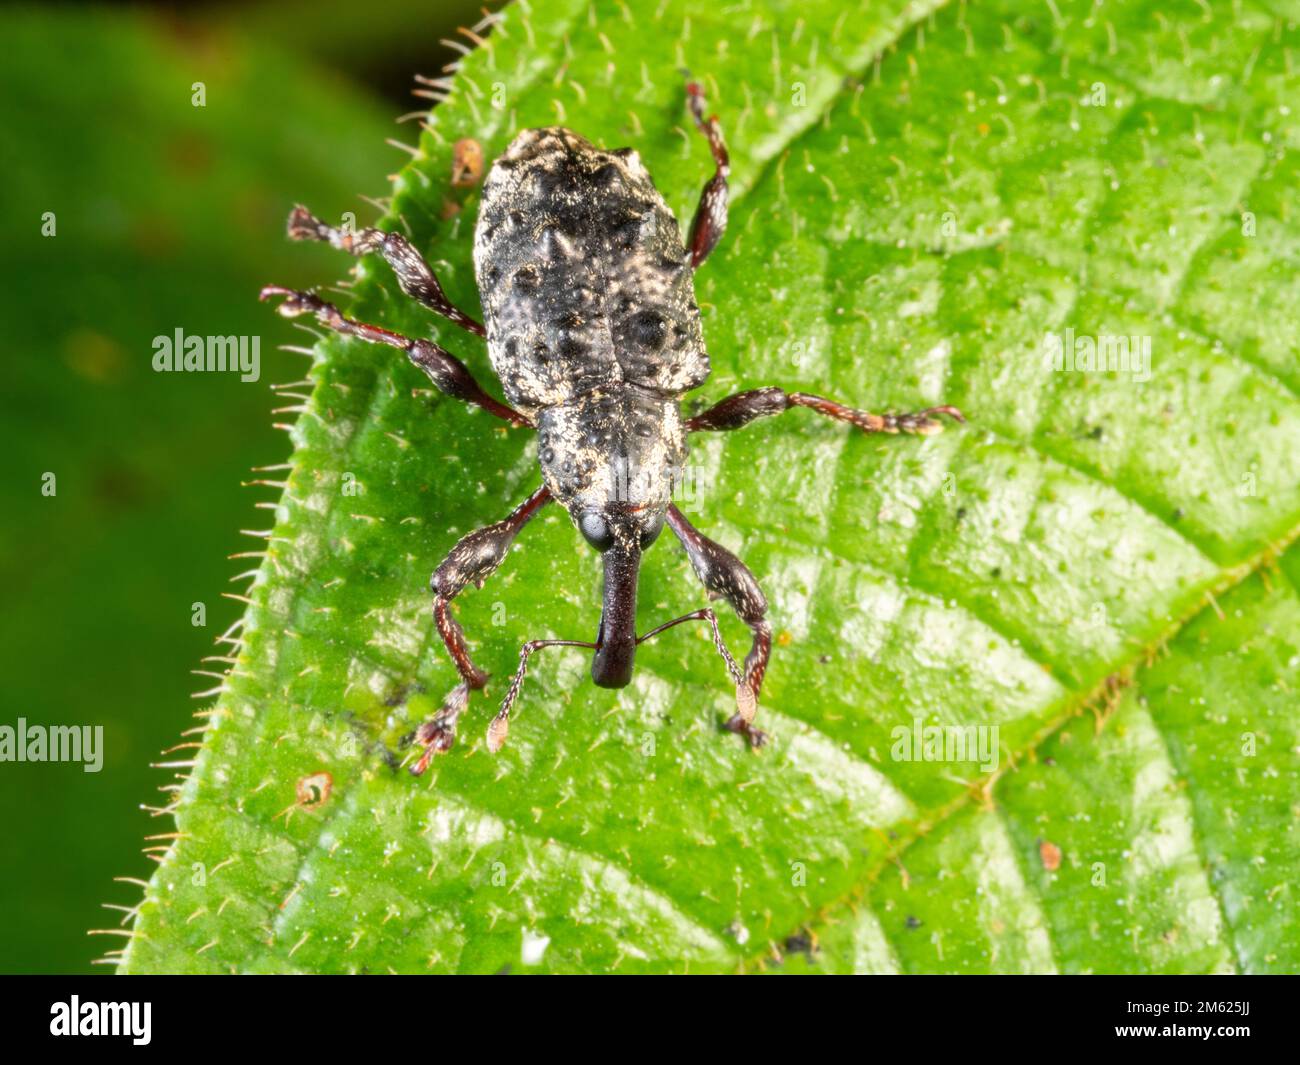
x=474, y=558
x=444, y=369
x=711, y=215
x=742, y=408
x=414, y=274
x=499, y=727
x=723, y=574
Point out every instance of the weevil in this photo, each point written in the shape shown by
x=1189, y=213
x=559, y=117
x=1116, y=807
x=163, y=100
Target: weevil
x=594, y=333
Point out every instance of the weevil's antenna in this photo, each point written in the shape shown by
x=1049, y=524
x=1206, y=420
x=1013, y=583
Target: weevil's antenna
x=712, y=618
x=746, y=699
x=500, y=725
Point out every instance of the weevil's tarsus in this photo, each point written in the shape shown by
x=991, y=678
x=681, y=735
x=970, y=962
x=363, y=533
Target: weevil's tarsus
x=474, y=558
x=921, y=423
x=710, y=219
x=438, y=734
x=724, y=575
x=414, y=275
x=743, y=407
x=446, y=371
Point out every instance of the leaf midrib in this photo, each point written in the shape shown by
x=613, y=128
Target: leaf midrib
x=1123, y=675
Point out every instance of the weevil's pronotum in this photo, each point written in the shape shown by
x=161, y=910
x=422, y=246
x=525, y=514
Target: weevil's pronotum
x=593, y=329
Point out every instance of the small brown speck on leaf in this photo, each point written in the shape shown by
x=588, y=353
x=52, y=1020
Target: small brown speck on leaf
x=802, y=942
x=314, y=791
x=466, y=163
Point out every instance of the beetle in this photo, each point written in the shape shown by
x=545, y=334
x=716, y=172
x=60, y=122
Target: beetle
x=594, y=333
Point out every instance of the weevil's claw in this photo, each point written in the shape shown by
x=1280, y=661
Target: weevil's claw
x=438, y=734
x=303, y=225
x=436, y=738
x=273, y=290
x=295, y=302
x=922, y=422
x=695, y=102
x=951, y=412
x=756, y=737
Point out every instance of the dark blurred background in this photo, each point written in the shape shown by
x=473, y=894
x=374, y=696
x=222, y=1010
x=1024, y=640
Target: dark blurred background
x=166, y=216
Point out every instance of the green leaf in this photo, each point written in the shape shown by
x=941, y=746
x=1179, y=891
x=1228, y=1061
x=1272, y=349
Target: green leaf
x=920, y=197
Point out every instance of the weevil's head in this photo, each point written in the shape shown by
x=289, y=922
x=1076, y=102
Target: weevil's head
x=613, y=467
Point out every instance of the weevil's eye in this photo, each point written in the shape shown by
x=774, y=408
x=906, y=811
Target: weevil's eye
x=649, y=329
x=595, y=530
x=651, y=532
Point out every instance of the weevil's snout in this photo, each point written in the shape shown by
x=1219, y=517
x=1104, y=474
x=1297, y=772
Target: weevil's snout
x=611, y=665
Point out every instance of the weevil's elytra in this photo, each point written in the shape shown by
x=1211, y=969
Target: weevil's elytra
x=593, y=330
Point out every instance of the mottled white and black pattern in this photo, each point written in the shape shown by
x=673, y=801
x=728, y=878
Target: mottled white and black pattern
x=591, y=318
x=584, y=278
x=593, y=329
